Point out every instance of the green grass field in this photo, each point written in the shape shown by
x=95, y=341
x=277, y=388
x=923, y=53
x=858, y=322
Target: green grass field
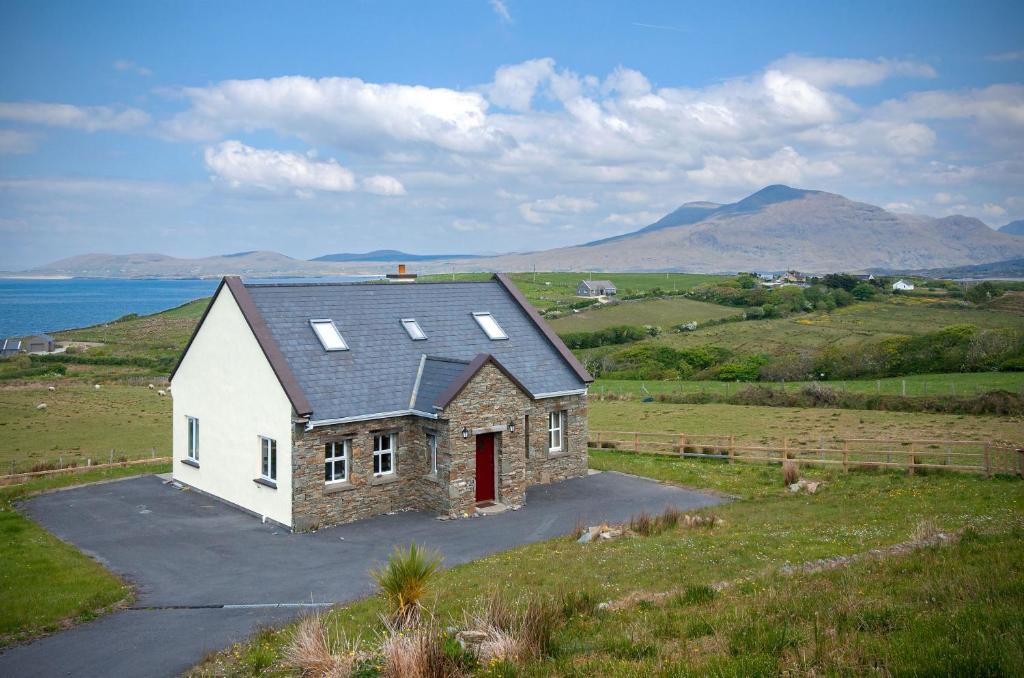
x=803, y=426
x=974, y=589
x=663, y=313
x=917, y=385
x=44, y=582
x=81, y=423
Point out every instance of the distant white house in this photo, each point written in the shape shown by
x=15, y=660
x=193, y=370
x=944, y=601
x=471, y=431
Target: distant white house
x=596, y=288
x=902, y=286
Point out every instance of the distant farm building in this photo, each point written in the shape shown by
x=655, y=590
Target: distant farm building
x=596, y=288
x=10, y=347
x=902, y=286
x=39, y=343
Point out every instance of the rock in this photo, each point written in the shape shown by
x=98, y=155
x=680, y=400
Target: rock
x=795, y=487
x=812, y=487
x=585, y=538
x=41, y=406
x=603, y=606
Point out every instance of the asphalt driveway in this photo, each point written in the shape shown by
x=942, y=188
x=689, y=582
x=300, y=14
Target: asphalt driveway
x=208, y=574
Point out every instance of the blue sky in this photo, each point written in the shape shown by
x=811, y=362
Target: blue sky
x=202, y=128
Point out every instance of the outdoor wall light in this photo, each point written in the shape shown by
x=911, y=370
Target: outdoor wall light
x=465, y=432
x=511, y=426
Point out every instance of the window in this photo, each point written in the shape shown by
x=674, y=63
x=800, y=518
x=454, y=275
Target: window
x=193, y=438
x=336, y=457
x=384, y=454
x=413, y=328
x=490, y=326
x=432, y=453
x=268, y=448
x=526, y=434
x=556, y=431
x=329, y=336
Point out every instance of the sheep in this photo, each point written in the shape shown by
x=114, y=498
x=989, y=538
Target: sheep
x=51, y=389
x=41, y=406
x=151, y=386
x=97, y=387
x=160, y=392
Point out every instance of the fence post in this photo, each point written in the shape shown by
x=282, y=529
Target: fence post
x=636, y=441
x=913, y=459
x=1020, y=463
x=732, y=449
x=821, y=447
x=846, y=456
x=988, y=462
x=904, y=382
x=682, y=444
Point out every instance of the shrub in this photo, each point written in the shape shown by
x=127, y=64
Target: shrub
x=418, y=652
x=315, y=654
x=643, y=524
x=403, y=580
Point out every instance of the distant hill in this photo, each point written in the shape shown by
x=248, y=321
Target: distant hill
x=778, y=228
x=392, y=255
x=1011, y=268
x=1014, y=227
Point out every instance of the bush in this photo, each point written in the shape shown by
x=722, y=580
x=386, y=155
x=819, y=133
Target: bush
x=745, y=368
x=403, y=580
x=609, y=336
x=790, y=474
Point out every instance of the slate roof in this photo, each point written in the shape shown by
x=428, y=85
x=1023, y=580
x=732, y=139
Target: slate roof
x=598, y=284
x=378, y=373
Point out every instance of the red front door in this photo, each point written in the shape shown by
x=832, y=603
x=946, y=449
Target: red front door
x=485, y=467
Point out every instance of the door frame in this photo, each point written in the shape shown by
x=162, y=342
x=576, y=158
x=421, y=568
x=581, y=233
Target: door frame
x=494, y=467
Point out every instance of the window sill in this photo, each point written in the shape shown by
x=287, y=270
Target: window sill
x=384, y=480
x=266, y=483
x=433, y=477
x=333, y=488
x=189, y=462
x=552, y=454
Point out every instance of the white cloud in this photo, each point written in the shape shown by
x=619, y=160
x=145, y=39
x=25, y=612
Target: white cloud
x=849, y=72
x=514, y=86
x=501, y=10
x=1006, y=56
x=633, y=218
x=993, y=210
x=382, y=185
x=86, y=118
x=243, y=166
x=785, y=166
x=126, y=66
x=468, y=225
x=14, y=142
x=345, y=112
x=995, y=105
x=541, y=211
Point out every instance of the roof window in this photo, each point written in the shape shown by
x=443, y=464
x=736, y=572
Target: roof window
x=413, y=328
x=490, y=326
x=328, y=334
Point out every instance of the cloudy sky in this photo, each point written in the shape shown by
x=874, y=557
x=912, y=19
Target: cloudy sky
x=195, y=128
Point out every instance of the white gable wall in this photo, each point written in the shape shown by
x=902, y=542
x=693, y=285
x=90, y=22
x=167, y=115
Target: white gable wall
x=226, y=382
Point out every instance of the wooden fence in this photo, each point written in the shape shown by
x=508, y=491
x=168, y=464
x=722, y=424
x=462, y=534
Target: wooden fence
x=17, y=478
x=969, y=456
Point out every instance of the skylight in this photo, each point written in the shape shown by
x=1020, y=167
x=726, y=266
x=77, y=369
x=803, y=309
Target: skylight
x=328, y=335
x=490, y=326
x=413, y=328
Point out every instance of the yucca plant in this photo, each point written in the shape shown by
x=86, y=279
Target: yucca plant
x=403, y=580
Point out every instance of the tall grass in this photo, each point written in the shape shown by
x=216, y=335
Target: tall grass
x=403, y=581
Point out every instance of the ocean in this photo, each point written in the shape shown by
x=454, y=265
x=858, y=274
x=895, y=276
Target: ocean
x=35, y=306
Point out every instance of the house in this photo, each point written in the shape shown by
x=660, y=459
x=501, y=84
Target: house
x=794, y=277
x=10, y=347
x=902, y=286
x=316, y=404
x=39, y=343
x=596, y=288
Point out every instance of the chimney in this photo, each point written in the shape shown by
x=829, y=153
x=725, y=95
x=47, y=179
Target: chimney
x=401, y=276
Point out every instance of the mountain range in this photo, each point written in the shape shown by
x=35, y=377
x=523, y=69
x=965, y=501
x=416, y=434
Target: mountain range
x=774, y=229
x=1014, y=227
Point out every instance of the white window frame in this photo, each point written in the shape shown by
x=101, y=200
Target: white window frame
x=432, y=453
x=331, y=457
x=413, y=329
x=268, y=459
x=326, y=331
x=489, y=325
x=193, y=438
x=379, y=454
x=556, y=430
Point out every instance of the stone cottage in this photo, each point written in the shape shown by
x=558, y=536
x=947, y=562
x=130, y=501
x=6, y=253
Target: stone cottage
x=323, y=403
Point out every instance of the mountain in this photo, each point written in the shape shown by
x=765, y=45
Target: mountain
x=778, y=228
x=1014, y=227
x=1011, y=269
x=392, y=255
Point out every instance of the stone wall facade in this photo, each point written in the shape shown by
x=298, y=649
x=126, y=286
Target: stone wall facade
x=486, y=406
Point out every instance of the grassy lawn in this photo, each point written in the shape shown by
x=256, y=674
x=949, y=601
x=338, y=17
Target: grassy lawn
x=663, y=313
x=44, y=582
x=763, y=531
x=81, y=423
x=771, y=424
x=958, y=383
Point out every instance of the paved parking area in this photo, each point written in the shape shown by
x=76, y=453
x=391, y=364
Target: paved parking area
x=208, y=574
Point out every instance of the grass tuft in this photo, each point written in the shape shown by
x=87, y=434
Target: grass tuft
x=403, y=581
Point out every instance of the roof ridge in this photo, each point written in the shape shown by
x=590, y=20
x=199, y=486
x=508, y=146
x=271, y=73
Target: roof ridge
x=376, y=282
x=447, y=360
